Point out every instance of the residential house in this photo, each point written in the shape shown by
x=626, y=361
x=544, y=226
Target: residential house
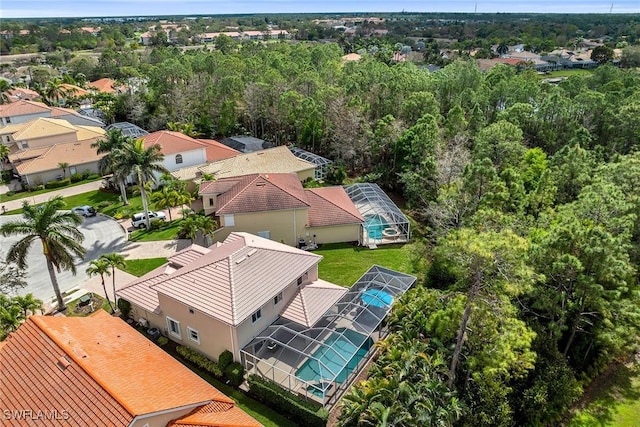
x=105, y=85
x=219, y=298
x=22, y=111
x=272, y=160
x=276, y=206
x=39, y=165
x=44, y=132
x=99, y=371
x=21, y=93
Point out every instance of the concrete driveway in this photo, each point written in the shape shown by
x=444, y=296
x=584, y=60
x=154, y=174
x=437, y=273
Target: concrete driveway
x=102, y=235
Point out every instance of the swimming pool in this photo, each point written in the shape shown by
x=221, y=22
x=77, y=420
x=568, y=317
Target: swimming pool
x=377, y=298
x=374, y=224
x=343, y=351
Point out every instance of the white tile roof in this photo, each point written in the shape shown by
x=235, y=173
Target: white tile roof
x=312, y=301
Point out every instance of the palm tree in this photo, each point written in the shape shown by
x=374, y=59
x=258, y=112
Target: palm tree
x=63, y=166
x=113, y=141
x=57, y=231
x=189, y=228
x=55, y=91
x=101, y=267
x=5, y=87
x=206, y=225
x=134, y=158
x=10, y=315
x=28, y=304
x=114, y=260
x=165, y=198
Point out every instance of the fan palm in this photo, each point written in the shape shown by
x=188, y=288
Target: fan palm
x=134, y=158
x=101, y=267
x=57, y=231
x=55, y=91
x=113, y=140
x=28, y=304
x=114, y=261
x=166, y=198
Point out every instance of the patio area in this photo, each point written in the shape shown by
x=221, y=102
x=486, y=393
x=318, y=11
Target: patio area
x=321, y=361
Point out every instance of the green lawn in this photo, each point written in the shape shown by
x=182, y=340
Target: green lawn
x=105, y=202
x=140, y=267
x=167, y=231
x=565, y=73
x=343, y=263
x=27, y=194
x=616, y=403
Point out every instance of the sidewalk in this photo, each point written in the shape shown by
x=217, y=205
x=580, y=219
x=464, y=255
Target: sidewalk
x=40, y=198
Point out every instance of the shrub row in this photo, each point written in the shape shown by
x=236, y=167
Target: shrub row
x=58, y=184
x=200, y=361
x=298, y=409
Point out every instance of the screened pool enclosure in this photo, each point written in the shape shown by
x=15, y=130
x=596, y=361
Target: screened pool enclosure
x=320, y=362
x=322, y=164
x=128, y=129
x=384, y=222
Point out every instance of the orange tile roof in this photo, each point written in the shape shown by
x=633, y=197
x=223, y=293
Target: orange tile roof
x=74, y=90
x=217, y=415
x=218, y=151
x=98, y=368
x=331, y=206
x=21, y=93
x=22, y=108
x=258, y=193
x=172, y=142
x=104, y=85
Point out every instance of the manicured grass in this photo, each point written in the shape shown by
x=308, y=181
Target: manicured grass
x=565, y=73
x=616, y=403
x=343, y=263
x=71, y=307
x=167, y=231
x=27, y=194
x=140, y=267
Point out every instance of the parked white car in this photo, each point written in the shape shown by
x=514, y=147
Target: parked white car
x=138, y=220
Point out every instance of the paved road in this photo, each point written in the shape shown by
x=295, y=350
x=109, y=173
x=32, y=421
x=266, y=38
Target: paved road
x=40, y=198
x=102, y=235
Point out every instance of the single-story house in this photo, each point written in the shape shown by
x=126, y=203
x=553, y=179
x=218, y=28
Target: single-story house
x=39, y=165
x=99, y=371
x=276, y=206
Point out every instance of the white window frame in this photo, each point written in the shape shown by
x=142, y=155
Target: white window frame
x=191, y=331
x=256, y=316
x=264, y=234
x=277, y=299
x=229, y=220
x=170, y=331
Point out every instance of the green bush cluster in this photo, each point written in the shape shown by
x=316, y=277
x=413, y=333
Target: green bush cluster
x=200, y=361
x=103, y=204
x=298, y=409
x=234, y=372
x=57, y=183
x=10, y=193
x=225, y=359
x=76, y=177
x=125, y=307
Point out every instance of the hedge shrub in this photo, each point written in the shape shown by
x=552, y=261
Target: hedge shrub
x=200, y=361
x=234, y=372
x=76, y=177
x=125, y=307
x=58, y=184
x=225, y=359
x=298, y=409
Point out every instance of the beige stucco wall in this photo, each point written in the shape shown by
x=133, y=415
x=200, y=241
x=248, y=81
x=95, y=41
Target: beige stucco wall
x=215, y=336
x=307, y=173
x=153, y=320
x=50, y=175
x=335, y=234
x=285, y=226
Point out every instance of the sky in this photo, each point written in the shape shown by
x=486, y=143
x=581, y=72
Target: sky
x=94, y=8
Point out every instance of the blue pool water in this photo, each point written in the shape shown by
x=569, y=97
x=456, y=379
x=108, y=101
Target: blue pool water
x=374, y=225
x=312, y=371
x=377, y=298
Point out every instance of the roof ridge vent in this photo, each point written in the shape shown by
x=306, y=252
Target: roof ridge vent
x=252, y=251
x=239, y=260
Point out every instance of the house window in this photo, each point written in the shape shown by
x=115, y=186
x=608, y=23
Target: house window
x=193, y=335
x=210, y=201
x=8, y=119
x=173, y=326
x=256, y=316
x=24, y=145
x=277, y=299
x=264, y=234
x=178, y=159
x=299, y=280
x=229, y=220
x=191, y=310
